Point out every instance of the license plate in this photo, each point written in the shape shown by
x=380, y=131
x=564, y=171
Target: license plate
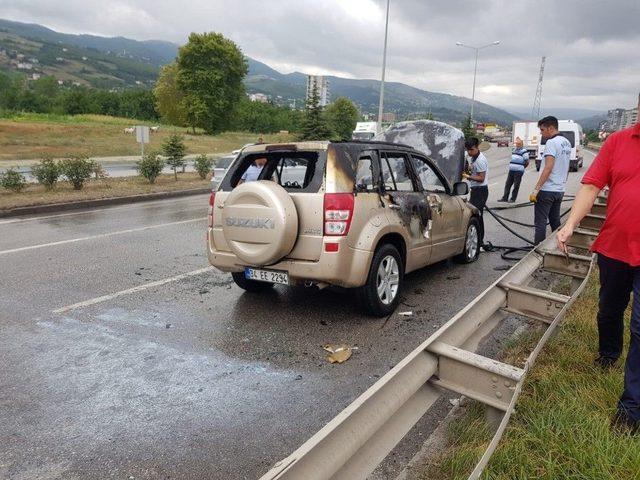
x=266, y=276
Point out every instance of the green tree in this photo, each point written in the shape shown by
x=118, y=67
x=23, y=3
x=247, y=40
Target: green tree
x=342, y=116
x=314, y=125
x=429, y=116
x=210, y=73
x=467, y=127
x=169, y=98
x=174, y=149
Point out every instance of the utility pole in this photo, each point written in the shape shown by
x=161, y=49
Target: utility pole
x=537, y=101
x=384, y=66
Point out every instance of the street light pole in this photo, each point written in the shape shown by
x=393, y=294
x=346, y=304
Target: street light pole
x=475, y=68
x=384, y=66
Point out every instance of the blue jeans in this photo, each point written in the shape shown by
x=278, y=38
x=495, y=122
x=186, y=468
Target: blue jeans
x=617, y=281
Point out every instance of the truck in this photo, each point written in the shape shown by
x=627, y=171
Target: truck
x=530, y=135
x=365, y=131
x=572, y=131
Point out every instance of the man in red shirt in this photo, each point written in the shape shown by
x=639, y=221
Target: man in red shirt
x=618, y=247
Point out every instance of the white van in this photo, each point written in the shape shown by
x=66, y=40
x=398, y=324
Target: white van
x=365, y=131
x=572, y=131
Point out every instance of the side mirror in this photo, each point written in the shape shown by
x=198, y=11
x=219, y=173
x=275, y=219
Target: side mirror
x=460, y=188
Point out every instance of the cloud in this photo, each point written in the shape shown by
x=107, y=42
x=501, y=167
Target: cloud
x=591, y=47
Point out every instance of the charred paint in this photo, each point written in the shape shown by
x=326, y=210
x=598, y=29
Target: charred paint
x=341, y=168
x=414, y=211
x=442, y=143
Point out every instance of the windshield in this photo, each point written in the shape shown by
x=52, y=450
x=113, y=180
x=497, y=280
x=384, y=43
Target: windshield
x=362, y=135
x=224, y=162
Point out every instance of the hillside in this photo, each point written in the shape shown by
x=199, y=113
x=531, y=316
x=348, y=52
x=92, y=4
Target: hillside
x=119, y=62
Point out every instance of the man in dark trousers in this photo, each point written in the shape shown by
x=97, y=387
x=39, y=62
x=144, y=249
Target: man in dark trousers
x=549, y=190
x=478, y=179
x=518, y=164
x=618, y=247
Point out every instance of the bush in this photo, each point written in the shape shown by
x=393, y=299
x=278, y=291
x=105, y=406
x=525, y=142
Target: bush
x=46, y=172
x=203, y=165
x=13, y=180
x=150, y=166
x=77, y=170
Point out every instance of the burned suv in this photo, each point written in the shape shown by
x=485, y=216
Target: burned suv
x=356, y=214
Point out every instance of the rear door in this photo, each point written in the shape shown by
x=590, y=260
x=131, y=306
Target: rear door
x=406, y=205
x=447, y=232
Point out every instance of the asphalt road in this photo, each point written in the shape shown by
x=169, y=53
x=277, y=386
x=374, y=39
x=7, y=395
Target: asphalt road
x=122, y=355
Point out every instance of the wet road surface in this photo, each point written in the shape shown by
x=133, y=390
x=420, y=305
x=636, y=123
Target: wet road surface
x=122, y=355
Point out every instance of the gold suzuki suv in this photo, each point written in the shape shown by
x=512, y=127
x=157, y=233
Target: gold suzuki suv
x=354, y=214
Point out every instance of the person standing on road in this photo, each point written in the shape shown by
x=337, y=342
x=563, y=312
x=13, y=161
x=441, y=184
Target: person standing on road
x=618, y=247
x=478, y=179
x=253, y=172
x=519, y=162
x=549, y=190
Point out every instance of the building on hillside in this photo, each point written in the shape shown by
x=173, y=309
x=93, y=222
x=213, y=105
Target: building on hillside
x=24, y=66
x=258, y=97
x=388, y=117
x=320, y=83
x=621, y=118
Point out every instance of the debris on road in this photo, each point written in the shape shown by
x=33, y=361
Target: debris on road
x=338, y=353
x=405, y=314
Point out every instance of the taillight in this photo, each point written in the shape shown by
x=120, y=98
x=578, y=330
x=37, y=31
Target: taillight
x=212, y=200
x=338, y=211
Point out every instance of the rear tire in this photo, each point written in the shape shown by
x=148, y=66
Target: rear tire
x=471, y=243
x=381, y=294
x=250, y=285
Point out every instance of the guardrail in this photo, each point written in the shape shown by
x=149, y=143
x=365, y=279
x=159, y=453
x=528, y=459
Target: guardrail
x=354, y=443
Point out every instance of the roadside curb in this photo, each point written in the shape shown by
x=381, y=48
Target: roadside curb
x=99, y=202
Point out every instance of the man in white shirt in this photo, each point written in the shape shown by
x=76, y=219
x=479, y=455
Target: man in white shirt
x=253, y=172
x=548, y=193
x=478, y=179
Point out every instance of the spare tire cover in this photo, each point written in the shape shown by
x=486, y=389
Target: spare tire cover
x=260, y=222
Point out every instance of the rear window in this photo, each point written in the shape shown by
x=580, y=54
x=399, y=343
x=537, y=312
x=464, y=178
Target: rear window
x=294, y=171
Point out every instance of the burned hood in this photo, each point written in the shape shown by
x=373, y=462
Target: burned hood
x=441, y=142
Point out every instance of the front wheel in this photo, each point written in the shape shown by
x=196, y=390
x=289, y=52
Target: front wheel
x=250, y=285
x=471, y=243
x=381, y=294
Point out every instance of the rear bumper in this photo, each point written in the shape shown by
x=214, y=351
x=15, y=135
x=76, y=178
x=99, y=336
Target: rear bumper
x=348, y=267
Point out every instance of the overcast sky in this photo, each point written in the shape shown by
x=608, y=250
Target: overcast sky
x=592, y=47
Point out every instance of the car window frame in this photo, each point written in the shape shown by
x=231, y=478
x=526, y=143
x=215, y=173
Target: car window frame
x=410, y=172
x=435, y=169
x=375, y=170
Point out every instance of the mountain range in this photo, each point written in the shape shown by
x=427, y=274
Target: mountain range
x=117, y=62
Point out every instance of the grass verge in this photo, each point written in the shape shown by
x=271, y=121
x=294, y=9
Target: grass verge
x=96, y=189
x=32, y=136
x=560, y=429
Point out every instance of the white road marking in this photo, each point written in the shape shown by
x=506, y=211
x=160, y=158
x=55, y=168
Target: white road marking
x=102, y=235
x=493, y=184
x=128, y=291
x=84, y=212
